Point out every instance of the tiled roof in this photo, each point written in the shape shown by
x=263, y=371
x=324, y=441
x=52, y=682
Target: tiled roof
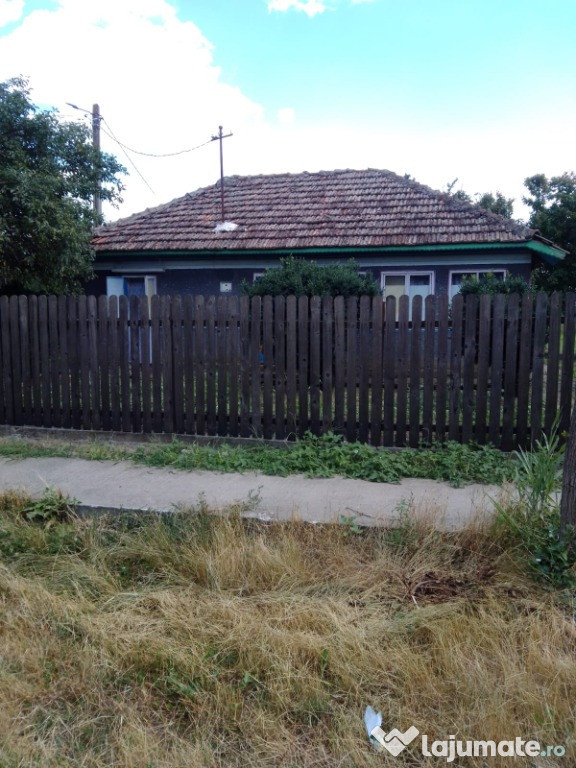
x=330, y=209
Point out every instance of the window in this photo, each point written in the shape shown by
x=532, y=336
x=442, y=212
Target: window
x=256, y=275
x=131, y=285
x=457, y=278
x=407, y=284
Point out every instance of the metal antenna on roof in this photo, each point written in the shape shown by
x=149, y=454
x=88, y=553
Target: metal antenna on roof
x=219, y=138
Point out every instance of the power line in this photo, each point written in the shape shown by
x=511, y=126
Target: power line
x=153, y=154
x=132, y=163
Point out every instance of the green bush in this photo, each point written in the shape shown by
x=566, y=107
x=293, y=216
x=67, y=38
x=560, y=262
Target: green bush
x=531, y=523
x=301, y=277
x=490, y=284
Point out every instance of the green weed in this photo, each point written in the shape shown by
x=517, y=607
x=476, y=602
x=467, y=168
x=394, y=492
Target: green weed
x=531, y=522
x=326, y=456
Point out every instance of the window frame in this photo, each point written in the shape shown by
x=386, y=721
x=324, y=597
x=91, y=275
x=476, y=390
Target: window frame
x=150, y=283
x=470, y=272
x=407, y=275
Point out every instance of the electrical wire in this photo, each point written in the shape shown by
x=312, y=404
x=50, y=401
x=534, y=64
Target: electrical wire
x=152, y=154
x=132, y=163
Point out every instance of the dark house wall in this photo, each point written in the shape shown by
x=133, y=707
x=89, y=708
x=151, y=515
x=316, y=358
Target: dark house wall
x=207, y=281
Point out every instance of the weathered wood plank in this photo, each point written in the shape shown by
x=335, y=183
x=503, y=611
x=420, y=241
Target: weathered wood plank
x=24, y=329
x=16, y=362
x=124, y=363
x=200, y=363
x=303, y=364
x=280, y=367
x=524, y=370
x=376, y=381
x=178, y=362
x=135, y=383
x=64, y=365
x=496, y=371
x=390, y=369
x=351, y=367
x=428, y=369
x=7, y=372
x=443, y=309
x=483, y=368
x=538, y=354
x=256, y=364
x=84, y=361
x=291, y=366
x=114, y=363
x=567, y=381
x=168, y=363
x=456, y=350
x=315, y=363
x=553, y=363
x=245, y=368
x=35, y=370
x=92, y=318
x=469, y=366
x=403, y=362
x=267, y=367
x=103, y=362
x=510, y=372
x=146, y=341
x=233, y=354
x=74, y=359
x=339, y=363
x=415, y=343
x=364, y=370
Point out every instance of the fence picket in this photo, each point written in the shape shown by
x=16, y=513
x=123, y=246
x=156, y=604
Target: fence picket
x=553, y=362
x=35, y=372
x=267, y=367
x=415, y=373
x=538, y=351
x=524, y=369
x=376, y=382
x=389, y=370
x=567, y=382
x=279, y=367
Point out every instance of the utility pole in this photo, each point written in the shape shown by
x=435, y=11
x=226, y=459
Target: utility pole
x=96, y=119
x=219, y=138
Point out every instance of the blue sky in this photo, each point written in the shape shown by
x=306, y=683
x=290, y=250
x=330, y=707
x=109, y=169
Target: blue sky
x=482, y=91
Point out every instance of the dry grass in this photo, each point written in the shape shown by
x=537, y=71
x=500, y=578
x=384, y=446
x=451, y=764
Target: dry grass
x=196, y=641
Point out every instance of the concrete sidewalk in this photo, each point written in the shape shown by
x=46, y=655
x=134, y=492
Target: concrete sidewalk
x=115, y=486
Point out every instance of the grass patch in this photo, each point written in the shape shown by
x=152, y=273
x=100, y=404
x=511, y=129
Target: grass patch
x=203, y=641
x=326, y=456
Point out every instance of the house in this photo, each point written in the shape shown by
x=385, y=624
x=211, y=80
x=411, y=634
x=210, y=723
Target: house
x=413, y=239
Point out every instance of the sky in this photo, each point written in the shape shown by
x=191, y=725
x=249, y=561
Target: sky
x=482, y=91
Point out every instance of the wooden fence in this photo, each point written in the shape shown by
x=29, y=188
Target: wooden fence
x=489, y=369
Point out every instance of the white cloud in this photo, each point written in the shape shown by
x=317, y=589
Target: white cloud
x=153, y=76
x=309, y=7
x=286, y=116
x=10, y=10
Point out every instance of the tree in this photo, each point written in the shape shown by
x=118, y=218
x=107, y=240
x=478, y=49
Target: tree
x=504, y=206
x=301, y=277
x=553, y=205
x=49, y=171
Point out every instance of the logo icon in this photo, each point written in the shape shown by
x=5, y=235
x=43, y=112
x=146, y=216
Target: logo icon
x=394, y=742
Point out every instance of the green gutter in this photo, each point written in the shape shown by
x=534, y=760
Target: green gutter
x=543, y=250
